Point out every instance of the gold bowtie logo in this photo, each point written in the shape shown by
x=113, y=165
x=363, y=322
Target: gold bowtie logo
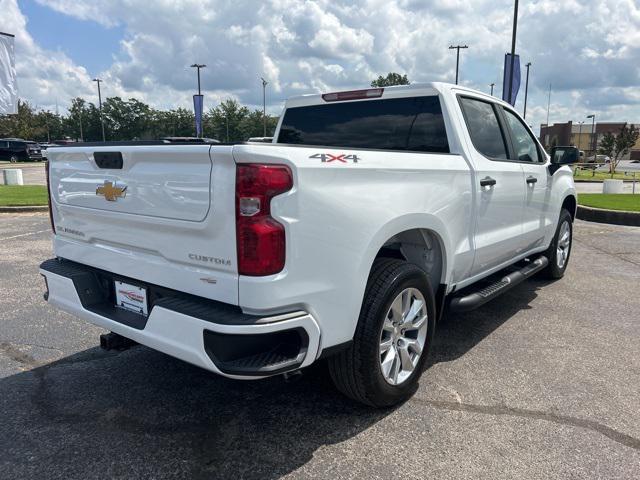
x=111, y=191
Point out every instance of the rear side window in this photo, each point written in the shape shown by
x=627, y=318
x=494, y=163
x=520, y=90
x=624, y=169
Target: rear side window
x=484, y=128
x=414, y=124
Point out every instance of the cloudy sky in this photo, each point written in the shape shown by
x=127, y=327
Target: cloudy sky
x=588, y=50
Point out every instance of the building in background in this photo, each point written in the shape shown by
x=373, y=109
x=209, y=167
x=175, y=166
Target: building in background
x=570, y=133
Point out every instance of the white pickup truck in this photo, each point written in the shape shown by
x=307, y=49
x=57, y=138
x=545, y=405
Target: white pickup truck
x=345, y=238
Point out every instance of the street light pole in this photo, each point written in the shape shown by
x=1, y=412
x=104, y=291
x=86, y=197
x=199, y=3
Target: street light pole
x=198, y=66
x=80, y=118
x=492, y=85
x=526, y=91
x=264, y=107
x=457, y=48
x=98, y=80
x=513, y=49
x=593, y=135
x=198, y=101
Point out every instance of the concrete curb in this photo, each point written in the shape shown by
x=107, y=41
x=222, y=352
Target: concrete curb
x=615, y=217
x=34, y=208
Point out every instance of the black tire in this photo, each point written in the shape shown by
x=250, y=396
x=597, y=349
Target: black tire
x=356, y=372
x=555, y=271
x=13, y=159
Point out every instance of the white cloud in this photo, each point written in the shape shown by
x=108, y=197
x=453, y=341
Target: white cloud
x=588, y=51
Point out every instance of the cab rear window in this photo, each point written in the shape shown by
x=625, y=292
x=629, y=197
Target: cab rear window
x=413, y=124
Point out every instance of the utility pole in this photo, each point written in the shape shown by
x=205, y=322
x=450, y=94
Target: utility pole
x=98, y=80
x=264, y=107
x=457, y=48
x=526, y=91
x=593, y=135
x=513, y=50
x=492, y=85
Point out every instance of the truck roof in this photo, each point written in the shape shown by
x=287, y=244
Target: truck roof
x=415, y=89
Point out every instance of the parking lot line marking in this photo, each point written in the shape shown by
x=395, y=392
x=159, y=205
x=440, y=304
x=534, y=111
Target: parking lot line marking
x=24, y=234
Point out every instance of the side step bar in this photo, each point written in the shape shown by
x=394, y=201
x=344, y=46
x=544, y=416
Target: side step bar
x=474, y=300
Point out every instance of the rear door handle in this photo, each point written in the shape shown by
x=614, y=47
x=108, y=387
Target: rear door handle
x=487, y=182
x=531, y=180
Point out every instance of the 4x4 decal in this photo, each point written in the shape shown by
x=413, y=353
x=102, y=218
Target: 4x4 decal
x=342, y=158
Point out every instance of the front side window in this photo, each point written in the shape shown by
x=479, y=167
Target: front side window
x=413, y=124
x=484, y=128
x=524, y=145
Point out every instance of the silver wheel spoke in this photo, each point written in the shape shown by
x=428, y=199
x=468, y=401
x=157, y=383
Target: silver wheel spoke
x=405, y=358
x=387, y=326
x=418, y=323
x=415, y=346
x=396, y=309
x=388, y=361
x=395, y=370
x=414, y=311
x=406, y=303
x=385, y=345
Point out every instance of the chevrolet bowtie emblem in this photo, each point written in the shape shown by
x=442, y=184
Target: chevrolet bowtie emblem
x=111, y=191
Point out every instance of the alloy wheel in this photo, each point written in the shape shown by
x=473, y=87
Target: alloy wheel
x=403, y=336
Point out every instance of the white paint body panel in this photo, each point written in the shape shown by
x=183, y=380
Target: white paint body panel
x=336, y=218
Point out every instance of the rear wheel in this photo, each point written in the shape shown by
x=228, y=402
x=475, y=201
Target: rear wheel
x=560, y=248
x=392, y=338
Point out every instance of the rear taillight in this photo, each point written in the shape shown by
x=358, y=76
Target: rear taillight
x=260, y=238
x=48, y=175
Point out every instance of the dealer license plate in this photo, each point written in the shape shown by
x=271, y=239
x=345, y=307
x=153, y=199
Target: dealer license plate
x=131, y=297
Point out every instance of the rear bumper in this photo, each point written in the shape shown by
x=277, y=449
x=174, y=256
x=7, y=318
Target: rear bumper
x=211, y=335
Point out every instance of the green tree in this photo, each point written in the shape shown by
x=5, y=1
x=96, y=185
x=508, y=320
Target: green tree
x=617, y=146
x=391, y=79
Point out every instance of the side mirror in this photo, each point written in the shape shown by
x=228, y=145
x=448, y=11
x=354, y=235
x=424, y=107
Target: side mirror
x=564, y=155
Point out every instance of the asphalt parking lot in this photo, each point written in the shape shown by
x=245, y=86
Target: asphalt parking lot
x=543, y=382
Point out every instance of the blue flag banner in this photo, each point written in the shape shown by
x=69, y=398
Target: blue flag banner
x=515, y=85
x=197, y=108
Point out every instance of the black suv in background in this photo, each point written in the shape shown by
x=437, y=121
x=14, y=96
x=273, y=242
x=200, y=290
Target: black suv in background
x=18, y=150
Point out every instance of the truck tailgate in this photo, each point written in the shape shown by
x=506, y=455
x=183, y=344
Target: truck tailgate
x=166, y=216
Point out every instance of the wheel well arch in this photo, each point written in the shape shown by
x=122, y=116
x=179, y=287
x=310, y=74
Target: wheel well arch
x=421, y=247
x=570, y=203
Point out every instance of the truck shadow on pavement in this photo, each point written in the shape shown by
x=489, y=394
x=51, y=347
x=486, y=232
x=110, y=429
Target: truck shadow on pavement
x=139, y=413
x=460, y=332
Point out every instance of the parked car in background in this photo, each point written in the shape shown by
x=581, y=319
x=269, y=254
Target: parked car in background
x=46, y=146
x=261, y=139
x=19, y=150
